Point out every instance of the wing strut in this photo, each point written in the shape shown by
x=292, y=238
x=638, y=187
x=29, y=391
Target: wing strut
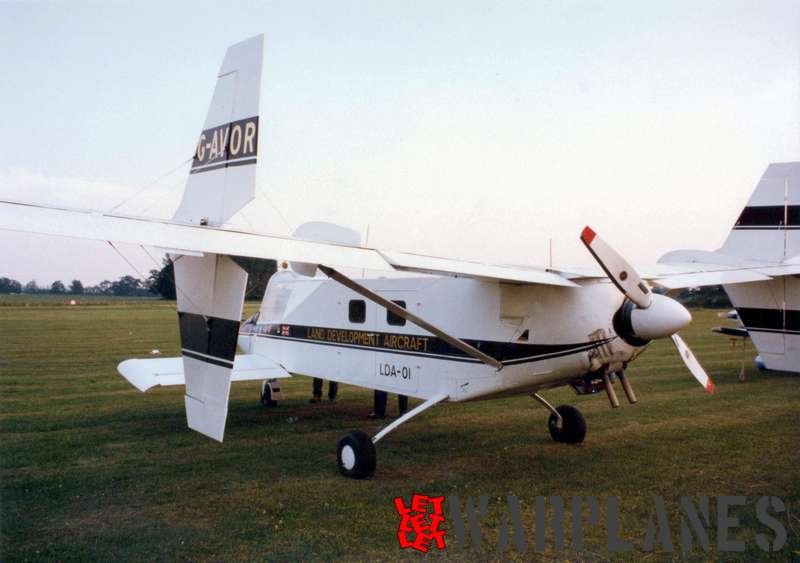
x=411, y=317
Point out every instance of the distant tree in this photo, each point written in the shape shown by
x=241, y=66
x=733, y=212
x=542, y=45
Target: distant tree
x=162, y=282
x=10, y=286
x=711, y=297
x=76, y=287
x=58, y=287
x=103, y=288
x=31, y=287
x=126, y=286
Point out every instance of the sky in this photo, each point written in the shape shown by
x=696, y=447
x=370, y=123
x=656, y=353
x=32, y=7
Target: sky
x=472, y=130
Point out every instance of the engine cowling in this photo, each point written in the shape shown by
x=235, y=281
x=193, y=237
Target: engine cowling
x=663, y=318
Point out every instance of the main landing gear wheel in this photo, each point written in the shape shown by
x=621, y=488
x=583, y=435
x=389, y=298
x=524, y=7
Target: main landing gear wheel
x=573, y=426
x=356, y=455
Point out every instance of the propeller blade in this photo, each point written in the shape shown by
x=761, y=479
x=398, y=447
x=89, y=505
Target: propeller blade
x=691, y=362
x=617, y=269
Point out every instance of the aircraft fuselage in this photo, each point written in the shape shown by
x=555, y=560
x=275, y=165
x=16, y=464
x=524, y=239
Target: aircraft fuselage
x=544, y=335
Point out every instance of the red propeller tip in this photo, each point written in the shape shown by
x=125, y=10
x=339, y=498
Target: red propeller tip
x=710, y=386
x=588, y=235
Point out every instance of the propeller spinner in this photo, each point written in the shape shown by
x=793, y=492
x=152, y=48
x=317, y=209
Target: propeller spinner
x=644, y=316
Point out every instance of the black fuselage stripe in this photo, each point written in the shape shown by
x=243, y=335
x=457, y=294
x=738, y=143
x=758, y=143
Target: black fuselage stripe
x=207, y=359
x=509, y=353
x=370, y=348
x=521, y=361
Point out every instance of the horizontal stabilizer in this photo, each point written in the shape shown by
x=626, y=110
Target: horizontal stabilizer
x=150, y=372
x=731, y=331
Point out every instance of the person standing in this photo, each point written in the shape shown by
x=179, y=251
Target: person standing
x=380, y=398
x=333, y=390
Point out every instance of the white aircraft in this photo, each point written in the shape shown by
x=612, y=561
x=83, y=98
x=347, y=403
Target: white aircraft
x=455, y=331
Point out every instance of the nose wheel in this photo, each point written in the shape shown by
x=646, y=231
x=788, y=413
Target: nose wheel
x=572, y=429
x=566, y=423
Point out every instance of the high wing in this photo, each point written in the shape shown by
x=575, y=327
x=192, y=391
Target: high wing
x=678, y=269
x=188, y=238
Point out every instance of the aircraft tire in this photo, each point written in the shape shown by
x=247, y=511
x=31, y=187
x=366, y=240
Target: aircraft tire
x=355, y=455
x=573, y=430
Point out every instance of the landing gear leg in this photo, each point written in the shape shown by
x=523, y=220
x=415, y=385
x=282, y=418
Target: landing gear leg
x=566, y=423
x=355, y=453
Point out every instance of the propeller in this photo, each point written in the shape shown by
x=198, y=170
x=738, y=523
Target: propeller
x=617, y=269
x=691, y=362
x=644, y=316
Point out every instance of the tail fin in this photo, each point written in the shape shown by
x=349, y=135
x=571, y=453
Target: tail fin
x=222, y=178
x=211, y=287
x=768, y=228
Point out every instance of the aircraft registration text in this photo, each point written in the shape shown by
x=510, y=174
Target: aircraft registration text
x=230, y=144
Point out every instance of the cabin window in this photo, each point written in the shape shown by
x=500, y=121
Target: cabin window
x=357, y=311
x=393, y=319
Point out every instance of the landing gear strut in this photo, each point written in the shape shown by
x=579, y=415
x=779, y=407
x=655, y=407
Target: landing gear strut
x=566, y=423
x=355, y=454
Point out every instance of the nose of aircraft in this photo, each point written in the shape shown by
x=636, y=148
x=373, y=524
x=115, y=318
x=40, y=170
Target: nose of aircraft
x=663, y=318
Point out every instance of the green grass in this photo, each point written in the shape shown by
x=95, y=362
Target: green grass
x=92, y=469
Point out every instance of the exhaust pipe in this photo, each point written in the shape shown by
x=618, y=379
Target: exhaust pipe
x=612, y=395
x=626, y=386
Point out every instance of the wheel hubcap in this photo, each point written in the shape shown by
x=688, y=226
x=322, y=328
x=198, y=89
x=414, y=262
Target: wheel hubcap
x=348, y=457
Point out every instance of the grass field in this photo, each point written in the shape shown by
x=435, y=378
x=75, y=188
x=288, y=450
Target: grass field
x=92, y=469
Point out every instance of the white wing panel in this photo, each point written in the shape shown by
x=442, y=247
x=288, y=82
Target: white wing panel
x=196, y=239
x=433, y=265
x=710, y=278
x=193, y=238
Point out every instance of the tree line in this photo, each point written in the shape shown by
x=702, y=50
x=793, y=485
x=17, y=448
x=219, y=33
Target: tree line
x=127, y=286
x=160, y=282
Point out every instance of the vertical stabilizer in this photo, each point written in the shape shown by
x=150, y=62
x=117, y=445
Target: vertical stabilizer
x=210, y=288
x=223, y=173
x=768, y=228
